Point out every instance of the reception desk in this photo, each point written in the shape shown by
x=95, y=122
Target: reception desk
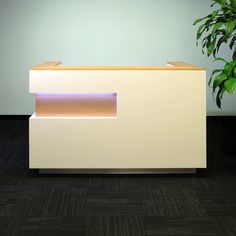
x=118, y=119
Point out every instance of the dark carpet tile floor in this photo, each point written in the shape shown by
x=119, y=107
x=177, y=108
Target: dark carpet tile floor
x=118, y=205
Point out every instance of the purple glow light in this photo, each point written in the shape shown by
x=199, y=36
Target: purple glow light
x=76, y=94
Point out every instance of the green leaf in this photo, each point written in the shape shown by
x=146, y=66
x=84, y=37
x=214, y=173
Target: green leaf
x=206, y=42
x=220, y=95
x=233, y=3
x=220, y=41
x=214, y=52
x=214, y=14
x=234, y=55
x=212, y=74
x=222, y=92
x=218, y=100
x=230, y=27
x=208, y=22
x=221, y=2
x=220, y=59
x=199, y=20
x=230, y=85
x=233, y=63
x=232, y=42
x=217, y=26
x=206, y=39
x=229, y=67
x=218, y=80
x=211, y=47
x=203, y=46
x=200, y=31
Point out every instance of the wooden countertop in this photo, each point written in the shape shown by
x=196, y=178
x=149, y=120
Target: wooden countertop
x=56, y=65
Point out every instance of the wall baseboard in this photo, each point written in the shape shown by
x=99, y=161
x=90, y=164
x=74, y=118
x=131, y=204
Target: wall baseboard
x=25, y=117
x=220, y=113
x=14, y=117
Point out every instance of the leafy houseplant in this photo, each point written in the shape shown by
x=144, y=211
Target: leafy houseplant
x=218, y=28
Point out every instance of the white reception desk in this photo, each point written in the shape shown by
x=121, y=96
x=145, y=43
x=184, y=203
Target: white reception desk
x=123, y=119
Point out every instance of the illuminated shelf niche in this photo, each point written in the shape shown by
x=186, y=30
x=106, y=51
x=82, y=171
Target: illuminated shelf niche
x=76, y=105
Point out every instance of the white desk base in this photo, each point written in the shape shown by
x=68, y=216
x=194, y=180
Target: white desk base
x=160, y=122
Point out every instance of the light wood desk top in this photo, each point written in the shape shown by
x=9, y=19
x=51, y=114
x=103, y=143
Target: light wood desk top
x=56, y=65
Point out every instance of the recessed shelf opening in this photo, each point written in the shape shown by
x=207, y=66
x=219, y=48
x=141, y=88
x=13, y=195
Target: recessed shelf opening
x=76, y=105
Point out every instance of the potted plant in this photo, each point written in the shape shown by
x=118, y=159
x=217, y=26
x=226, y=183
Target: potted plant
x=216, y=29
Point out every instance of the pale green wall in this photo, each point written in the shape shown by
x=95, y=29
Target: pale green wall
x=95, y=32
